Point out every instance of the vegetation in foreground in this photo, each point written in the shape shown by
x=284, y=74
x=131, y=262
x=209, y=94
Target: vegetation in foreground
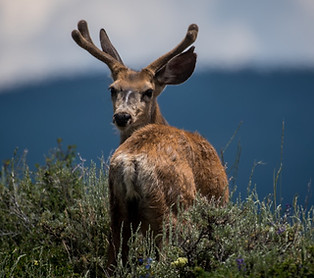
x=54, y=222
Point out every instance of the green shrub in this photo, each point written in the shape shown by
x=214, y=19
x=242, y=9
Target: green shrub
x=244, y=239
x=54, y=222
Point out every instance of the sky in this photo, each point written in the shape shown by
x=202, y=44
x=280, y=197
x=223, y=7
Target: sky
x=36, y=41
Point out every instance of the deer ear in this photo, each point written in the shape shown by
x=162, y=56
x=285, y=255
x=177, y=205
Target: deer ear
x=178, y=69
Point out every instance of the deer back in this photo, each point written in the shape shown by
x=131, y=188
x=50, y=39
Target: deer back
x=167, y=164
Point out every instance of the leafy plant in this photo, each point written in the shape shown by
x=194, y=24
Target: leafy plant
x=54, y=222
x=54, y=219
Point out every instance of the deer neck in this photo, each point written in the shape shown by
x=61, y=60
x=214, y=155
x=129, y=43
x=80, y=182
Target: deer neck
x=154, y=118
x=157, y=117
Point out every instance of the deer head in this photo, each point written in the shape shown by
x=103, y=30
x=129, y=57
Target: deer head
x=134, y=93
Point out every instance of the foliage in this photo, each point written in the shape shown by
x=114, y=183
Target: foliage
x=54, y=222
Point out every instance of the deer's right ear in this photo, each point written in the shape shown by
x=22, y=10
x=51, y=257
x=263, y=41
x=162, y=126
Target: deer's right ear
x=178, y=69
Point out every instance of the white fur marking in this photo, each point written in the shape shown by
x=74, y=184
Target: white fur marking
x=127, y=96
x=145, y=173
x=126, y=161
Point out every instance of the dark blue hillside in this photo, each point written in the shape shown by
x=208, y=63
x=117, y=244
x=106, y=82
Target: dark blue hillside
x=213, y=103
x=77, y=110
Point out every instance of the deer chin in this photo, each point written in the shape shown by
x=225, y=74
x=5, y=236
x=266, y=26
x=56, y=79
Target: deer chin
x=124, y=127
x=127, y=130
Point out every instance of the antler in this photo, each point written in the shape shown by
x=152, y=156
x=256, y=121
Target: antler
x=107, y=46
x=109, y=55
x=190, y=37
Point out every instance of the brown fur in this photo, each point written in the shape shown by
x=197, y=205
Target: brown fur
x=155, y=168
x=156, y=165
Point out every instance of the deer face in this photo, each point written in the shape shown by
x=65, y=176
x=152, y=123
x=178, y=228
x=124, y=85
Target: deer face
x=134, y=93
x=133, y=96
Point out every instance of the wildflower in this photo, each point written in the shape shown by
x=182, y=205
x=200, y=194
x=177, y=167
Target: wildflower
x=36, y=262
x=140, y=260
x=288, y=208
x=241, y=264
x=281, y=230
x=180, y=262
x=148, y=263
x=147, y=266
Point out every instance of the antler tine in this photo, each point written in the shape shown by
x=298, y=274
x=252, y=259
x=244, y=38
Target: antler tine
x=83, y=28
x=107, y=46
x=190, y=37
x=83, y=39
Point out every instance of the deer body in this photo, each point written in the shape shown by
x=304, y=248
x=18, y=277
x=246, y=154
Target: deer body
x=168, y=157
x=156, y=165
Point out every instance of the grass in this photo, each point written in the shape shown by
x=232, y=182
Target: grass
x=54, y=222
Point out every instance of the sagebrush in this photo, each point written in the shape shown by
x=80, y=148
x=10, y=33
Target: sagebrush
x=54, y=222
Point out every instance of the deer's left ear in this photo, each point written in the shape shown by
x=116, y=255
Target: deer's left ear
x=178, y=69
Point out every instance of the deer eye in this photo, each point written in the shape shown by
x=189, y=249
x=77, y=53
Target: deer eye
x=113, y=91
x=148, y=93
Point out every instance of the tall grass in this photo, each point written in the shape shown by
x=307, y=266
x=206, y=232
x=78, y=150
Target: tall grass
x=54, y=222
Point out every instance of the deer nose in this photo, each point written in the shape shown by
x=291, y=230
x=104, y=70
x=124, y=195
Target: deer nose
x=121, y=119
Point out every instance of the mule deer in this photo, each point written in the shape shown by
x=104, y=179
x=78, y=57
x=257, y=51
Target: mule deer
x=156, y=165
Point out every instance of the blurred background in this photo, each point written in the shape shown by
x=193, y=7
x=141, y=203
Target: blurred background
x=254, y=81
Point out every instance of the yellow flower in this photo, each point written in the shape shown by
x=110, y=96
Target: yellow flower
x=36, y=262
x=180, y=262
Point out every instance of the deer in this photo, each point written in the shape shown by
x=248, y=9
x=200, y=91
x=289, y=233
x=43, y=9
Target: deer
x=156, y=165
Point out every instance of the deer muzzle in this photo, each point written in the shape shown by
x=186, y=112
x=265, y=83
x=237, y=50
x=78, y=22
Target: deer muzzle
x=122, y=119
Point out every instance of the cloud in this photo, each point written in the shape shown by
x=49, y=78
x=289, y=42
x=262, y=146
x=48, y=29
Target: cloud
x=36, y=41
